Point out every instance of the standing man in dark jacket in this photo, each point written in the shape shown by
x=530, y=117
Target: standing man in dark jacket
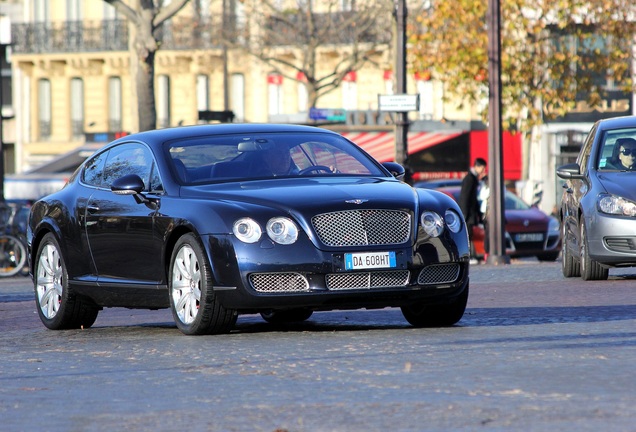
x=468, y=202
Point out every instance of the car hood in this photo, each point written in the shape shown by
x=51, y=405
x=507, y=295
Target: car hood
x=304, y=194
x=533, y=216
x=619, y=183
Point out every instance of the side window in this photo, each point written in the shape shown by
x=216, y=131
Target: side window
x=586, y=150
x=128, y=159
x=155, y=180
x=92, y=174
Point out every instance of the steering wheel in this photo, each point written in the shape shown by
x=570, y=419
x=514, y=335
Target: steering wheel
x=315, y=168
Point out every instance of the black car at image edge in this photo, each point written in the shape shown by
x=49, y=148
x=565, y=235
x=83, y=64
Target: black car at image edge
x=213, y=221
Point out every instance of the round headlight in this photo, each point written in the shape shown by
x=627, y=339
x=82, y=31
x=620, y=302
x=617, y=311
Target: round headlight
x=432, y=223
x=247, y=230
x=282, y=230
x=453, y=221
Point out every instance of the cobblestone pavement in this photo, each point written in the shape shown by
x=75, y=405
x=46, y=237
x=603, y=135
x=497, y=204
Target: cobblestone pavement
x=534, y=352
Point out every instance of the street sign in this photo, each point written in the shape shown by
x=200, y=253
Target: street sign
x=328, y=114
x=399, y=102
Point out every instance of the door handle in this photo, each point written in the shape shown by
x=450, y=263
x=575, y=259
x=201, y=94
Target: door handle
x=92, y=208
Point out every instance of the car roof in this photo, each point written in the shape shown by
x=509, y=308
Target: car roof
x=617, y=122
x=162, y=135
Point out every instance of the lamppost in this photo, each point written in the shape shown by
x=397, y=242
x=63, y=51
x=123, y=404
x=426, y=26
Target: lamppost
x=5, y=40
x=497, y=247
x=402, y=121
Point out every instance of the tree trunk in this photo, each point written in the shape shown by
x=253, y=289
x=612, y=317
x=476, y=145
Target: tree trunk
x=146, y=92
x=134, y=67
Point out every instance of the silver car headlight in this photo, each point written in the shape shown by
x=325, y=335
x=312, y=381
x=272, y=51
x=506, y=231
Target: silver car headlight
x=282, y=230
x=615, y=205
x=432, y=223
x=247, y=230
x=453, y=221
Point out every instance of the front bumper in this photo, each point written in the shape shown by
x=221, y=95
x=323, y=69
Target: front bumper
x=269, y=276
x=611, y=240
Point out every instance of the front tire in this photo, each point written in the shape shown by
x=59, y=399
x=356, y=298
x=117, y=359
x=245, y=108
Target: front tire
x=58, y=306
x=194, y=305
x=590, y=269
x=445, y=315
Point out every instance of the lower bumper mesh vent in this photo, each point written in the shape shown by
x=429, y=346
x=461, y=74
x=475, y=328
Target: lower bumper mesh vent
x=279, y=282
x=365, y=280
x=439, y=273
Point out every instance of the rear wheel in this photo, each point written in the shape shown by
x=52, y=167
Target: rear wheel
x=569, y=264
x=58, y=307
x=590, y=269
x=422, y=315
x=194, y=305
x=286, y=316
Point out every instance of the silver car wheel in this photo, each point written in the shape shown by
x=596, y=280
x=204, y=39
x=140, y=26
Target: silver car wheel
x=49, y=281
x=186, y=285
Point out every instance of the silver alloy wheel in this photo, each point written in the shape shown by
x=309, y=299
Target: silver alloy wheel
x=186, y=285
x=583, y=249
x=49, y=281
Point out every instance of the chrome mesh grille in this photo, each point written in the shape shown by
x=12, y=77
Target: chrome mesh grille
x=439, y=273
x=363, y=227
x=279, y=282
x=365, y=280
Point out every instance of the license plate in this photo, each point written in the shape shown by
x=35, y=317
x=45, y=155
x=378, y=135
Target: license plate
x=367, y=260
x=529, y=237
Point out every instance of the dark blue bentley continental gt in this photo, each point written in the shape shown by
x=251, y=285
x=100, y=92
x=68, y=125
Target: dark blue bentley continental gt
x=213, y=221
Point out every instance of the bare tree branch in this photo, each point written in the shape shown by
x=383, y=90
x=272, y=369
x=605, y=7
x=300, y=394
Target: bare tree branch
x=292, y=40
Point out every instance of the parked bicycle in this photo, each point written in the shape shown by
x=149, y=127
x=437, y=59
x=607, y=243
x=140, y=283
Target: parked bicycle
x=13, y=250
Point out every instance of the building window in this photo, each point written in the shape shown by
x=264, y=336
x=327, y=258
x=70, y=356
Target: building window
x=73, y=10
x=114, y=104
x=347, y=5
x=388, y=82
x=275, y=93
x=426, y=90
x=41, y=11
x=110, y=13
x=163, y=101
x=350, y=91
x=203, y=93
x=303, y=97
x=237, y=97
x=203, y=8
x=44, y=109
x=77, y=108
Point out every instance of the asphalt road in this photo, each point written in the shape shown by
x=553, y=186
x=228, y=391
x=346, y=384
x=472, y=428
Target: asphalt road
x=534, y=352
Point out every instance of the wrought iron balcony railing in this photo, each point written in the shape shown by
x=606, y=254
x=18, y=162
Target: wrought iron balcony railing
x=180, y=33
x=69, y=36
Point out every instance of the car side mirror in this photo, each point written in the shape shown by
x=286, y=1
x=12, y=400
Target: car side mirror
x=570, y=172
x=395, y=169
x=130, y=184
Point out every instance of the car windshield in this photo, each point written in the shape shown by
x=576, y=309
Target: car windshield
x=243, y=157
x=513, y=202
x=618, y=150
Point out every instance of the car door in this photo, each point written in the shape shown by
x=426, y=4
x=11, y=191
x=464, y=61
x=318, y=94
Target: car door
x=120, y=231
x=577, y=189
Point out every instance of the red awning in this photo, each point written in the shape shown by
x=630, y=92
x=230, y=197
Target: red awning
x=381, y=145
